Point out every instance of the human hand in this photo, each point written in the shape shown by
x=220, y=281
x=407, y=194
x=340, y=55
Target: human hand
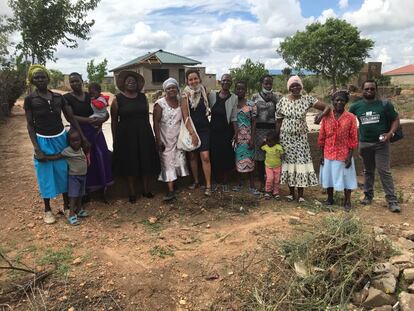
x=40, y=156
x=322, y=161
x=385, y=137
x=318, y=118
x=251, y=143
x=86, y=146
x=194, y=140
x=348, y=162
x=160, y=146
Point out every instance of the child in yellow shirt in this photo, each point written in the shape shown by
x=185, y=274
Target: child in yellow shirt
x=273, y=164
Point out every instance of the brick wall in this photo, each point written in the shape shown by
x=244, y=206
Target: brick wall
x=402, y=151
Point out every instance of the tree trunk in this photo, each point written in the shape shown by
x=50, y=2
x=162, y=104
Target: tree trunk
x=333, y=84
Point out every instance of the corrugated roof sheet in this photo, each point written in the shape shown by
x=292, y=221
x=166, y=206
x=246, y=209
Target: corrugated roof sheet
x=405, y=70
x=163, y=56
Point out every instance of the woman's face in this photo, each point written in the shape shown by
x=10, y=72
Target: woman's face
x=267, y=83
x=130, y=83
x=226, y=82
x=193, y=80
x=240, y=90
x=40, y=80
x=295, y=89
x=171, y=91
x=339, y=104
x=75, y=83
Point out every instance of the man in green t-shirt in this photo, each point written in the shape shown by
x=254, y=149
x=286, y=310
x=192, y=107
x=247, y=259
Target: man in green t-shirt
x=378, y=122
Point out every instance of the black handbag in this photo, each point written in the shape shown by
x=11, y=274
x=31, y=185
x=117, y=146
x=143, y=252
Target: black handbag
x=398, y=134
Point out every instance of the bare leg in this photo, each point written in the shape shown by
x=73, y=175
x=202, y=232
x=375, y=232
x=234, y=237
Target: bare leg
x=170, y=185
x=65, y=200
x=292, y=192
x=347, y=203
x=205, y=162
x=330, y=200
x=261, y=169
x=300, y=192
x=251, y=180
x=131, y=189
x=72, y=206
x=194, y=166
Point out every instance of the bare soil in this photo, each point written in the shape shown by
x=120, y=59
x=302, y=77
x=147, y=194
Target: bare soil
x=118, y=260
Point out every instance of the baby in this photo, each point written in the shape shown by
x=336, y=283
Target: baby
x=99, y=102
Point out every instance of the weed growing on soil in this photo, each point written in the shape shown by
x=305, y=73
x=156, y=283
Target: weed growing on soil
x=59, y=258
x=161, y=251
x=151, y=227
x=333, y=260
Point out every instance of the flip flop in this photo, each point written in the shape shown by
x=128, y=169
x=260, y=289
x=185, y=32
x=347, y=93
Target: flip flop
x=73, y=220
x=83, y=213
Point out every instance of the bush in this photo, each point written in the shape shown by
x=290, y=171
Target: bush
x=336, y=257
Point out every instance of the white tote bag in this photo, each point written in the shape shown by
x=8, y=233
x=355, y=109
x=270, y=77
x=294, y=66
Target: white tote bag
x=184, y=138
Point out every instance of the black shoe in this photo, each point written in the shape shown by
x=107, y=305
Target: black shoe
x=366, y=200
x=169, y=196
x=329, y=202
x=347, y=207
x=147, y=195
x=393, y=206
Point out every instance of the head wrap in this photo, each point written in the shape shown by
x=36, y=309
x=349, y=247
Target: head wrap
x=294, y=79
x=342, y=93
x=36, y=68
x=169, y=82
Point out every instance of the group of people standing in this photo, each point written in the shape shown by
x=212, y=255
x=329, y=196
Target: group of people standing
x=266, y=134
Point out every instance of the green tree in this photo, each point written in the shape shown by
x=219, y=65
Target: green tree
x=251, y=73
x=383, y=80
x=334, y=50
x=43, y=24
x=287, y=71
x=96, y=73
x=56, y=77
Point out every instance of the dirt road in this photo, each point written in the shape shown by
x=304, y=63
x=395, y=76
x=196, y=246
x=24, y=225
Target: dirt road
x=121, y=258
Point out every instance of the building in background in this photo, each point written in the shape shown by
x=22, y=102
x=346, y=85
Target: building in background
x=158, y=66
x=402, y=76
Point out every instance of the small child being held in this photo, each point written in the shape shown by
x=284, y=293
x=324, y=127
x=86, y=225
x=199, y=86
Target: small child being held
x=77, y=176
x=273, y=164
x=99, y=102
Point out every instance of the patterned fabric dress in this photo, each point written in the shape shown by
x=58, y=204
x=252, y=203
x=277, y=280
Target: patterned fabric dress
x=173, y=162
x=297, y=166
x=245, y=155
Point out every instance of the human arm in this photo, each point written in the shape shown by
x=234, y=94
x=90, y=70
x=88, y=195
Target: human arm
x=70, y=117
x=156, y=118
x=39, y=154
x=394, y=124
x=352, y=142
x=325, y=108
x=253, y=135
x=321, y=141
x=114, y=119
x=53, y=157
x=186, y=116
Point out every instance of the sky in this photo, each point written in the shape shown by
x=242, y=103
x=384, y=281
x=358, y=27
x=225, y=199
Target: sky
x=222, y=34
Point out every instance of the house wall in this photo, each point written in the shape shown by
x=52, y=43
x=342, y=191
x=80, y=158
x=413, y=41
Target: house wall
x=403, y=79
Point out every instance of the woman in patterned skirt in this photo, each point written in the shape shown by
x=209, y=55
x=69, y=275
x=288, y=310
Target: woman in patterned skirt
x=245, y=133
x=297, y=166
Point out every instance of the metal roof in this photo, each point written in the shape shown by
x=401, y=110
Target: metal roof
x=163, y=57
x=405, y=70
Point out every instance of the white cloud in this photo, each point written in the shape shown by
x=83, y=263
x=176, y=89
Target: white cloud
x=329, y=13
x=382, y=15
x=343, y=4
x=143, y=37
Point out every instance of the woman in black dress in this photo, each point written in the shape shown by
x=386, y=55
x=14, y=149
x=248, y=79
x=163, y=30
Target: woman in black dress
x=135, y=153
x=194, y=95
x=222, y=129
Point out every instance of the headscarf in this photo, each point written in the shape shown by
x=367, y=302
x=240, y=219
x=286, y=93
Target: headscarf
x=36, y=68
x=169, y=82
x=294, y=79
x=342, y=93
x=194, y=95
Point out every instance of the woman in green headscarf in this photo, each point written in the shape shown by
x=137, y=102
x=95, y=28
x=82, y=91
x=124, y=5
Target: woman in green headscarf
x=46, y=131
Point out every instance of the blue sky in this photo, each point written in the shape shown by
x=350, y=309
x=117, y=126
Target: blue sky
x=222, y=34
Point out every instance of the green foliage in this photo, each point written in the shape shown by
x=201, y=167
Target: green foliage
x=4, y=40
x=287, y=71
x=161, y=251
x=280, y=83
x=43, y=24
x=383, y=80
x=334, y=50
x=251, y=73
x=59, y=258
x=56, y=77
x=96, y=73
x=309, y=84
x=109, y=88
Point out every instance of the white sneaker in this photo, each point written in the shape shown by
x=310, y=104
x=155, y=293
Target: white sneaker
x=49, y=218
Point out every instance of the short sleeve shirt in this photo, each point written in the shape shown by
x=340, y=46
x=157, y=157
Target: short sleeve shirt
x=80, y=108
x=76, y=160
x=372, y=118
x=46, y=114
x=293, y=113
x=273, y=155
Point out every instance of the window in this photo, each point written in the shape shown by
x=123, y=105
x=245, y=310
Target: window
x=160, y=75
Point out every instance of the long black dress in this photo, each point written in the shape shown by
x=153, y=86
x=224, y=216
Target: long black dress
x=134, y=146
x=221, y=135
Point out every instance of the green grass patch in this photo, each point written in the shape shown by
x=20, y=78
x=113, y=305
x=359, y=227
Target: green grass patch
x=152, y=228
x=161, y=251
x=60, y=258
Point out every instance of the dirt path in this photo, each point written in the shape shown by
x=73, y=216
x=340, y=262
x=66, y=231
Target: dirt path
x=118, y=260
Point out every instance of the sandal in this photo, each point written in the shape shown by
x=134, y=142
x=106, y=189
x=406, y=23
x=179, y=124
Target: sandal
x=148, y=195
x=237, y=188
x=132, y=199
x=301, y=200
x=207, y=192
x=83, y=213
x=194, y=185
x=73, y=220
x=290, y=198
x=254, y=191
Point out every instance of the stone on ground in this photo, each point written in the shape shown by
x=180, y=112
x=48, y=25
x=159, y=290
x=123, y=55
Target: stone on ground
x=406, y=301
x=386, y=283
x=377, y=298
x=409, y=274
